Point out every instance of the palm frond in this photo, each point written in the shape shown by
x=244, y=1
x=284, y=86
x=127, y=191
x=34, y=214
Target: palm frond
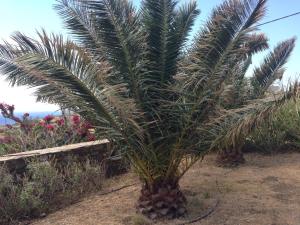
x=255, y=43
x=118, y=28
x=218, y=45
x=230, y=129
x=217, y=49
x=272, y=67
x=166, y=30
x=184, y=19
x=157, y=17
x=236, y=86
x=236, y=89
x=110, y=29
x=63, y=73
x=80, y=22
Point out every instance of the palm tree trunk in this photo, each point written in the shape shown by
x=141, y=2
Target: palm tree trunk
x=162, y=200
x=230, y=157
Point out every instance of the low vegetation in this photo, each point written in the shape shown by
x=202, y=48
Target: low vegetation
x=281, y=134
x=44, y=187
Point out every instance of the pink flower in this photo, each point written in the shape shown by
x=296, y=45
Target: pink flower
x=60, y=122
x=48, y=118
x=81, y=132
x=42, y=123
x=76, y=119
x=49, y=127
x=91, y=137
x=87, y=125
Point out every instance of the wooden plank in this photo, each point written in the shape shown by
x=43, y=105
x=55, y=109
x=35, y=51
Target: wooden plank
x=94, y=150
x=52, y=151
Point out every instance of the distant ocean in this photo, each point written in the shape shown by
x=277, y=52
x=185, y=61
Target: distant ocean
x=32, y=115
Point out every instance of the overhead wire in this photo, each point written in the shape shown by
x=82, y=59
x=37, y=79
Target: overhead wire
x=281, y=18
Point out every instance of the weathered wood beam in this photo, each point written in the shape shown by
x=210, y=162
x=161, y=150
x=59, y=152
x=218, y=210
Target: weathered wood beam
x=96, y=150
x=56, y=150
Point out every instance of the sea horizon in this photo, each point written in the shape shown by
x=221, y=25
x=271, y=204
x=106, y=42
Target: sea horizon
x=32, y=115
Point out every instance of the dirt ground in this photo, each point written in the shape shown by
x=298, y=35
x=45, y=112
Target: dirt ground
x=264, y=191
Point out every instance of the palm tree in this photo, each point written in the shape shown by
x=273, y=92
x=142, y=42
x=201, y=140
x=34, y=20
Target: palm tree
x=239, y=90
x=132, y=73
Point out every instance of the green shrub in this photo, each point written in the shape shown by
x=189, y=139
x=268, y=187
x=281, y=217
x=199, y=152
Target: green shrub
x=44, y=181
x=282, y=133
x=8, y=196
x=30, y=199
x=44, y=187
x=83, y=177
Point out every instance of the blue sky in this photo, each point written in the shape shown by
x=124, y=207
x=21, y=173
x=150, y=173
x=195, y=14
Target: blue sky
x=27, y=16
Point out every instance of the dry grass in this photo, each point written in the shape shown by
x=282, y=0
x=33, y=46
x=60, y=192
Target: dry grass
x=264, y=191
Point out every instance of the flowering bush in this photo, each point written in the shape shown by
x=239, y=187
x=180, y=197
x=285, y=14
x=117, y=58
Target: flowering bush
x=48, y=132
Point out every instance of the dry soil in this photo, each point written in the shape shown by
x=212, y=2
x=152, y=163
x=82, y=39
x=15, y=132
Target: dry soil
x=263, y=191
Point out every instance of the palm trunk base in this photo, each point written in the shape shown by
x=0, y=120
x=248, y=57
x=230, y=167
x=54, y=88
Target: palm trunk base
x=230, y=158
x=166, y=201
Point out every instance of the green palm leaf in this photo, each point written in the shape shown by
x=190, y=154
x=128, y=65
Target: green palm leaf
x=63, y=73
x=230, y=129
x=219, y=42
x=81, y=24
